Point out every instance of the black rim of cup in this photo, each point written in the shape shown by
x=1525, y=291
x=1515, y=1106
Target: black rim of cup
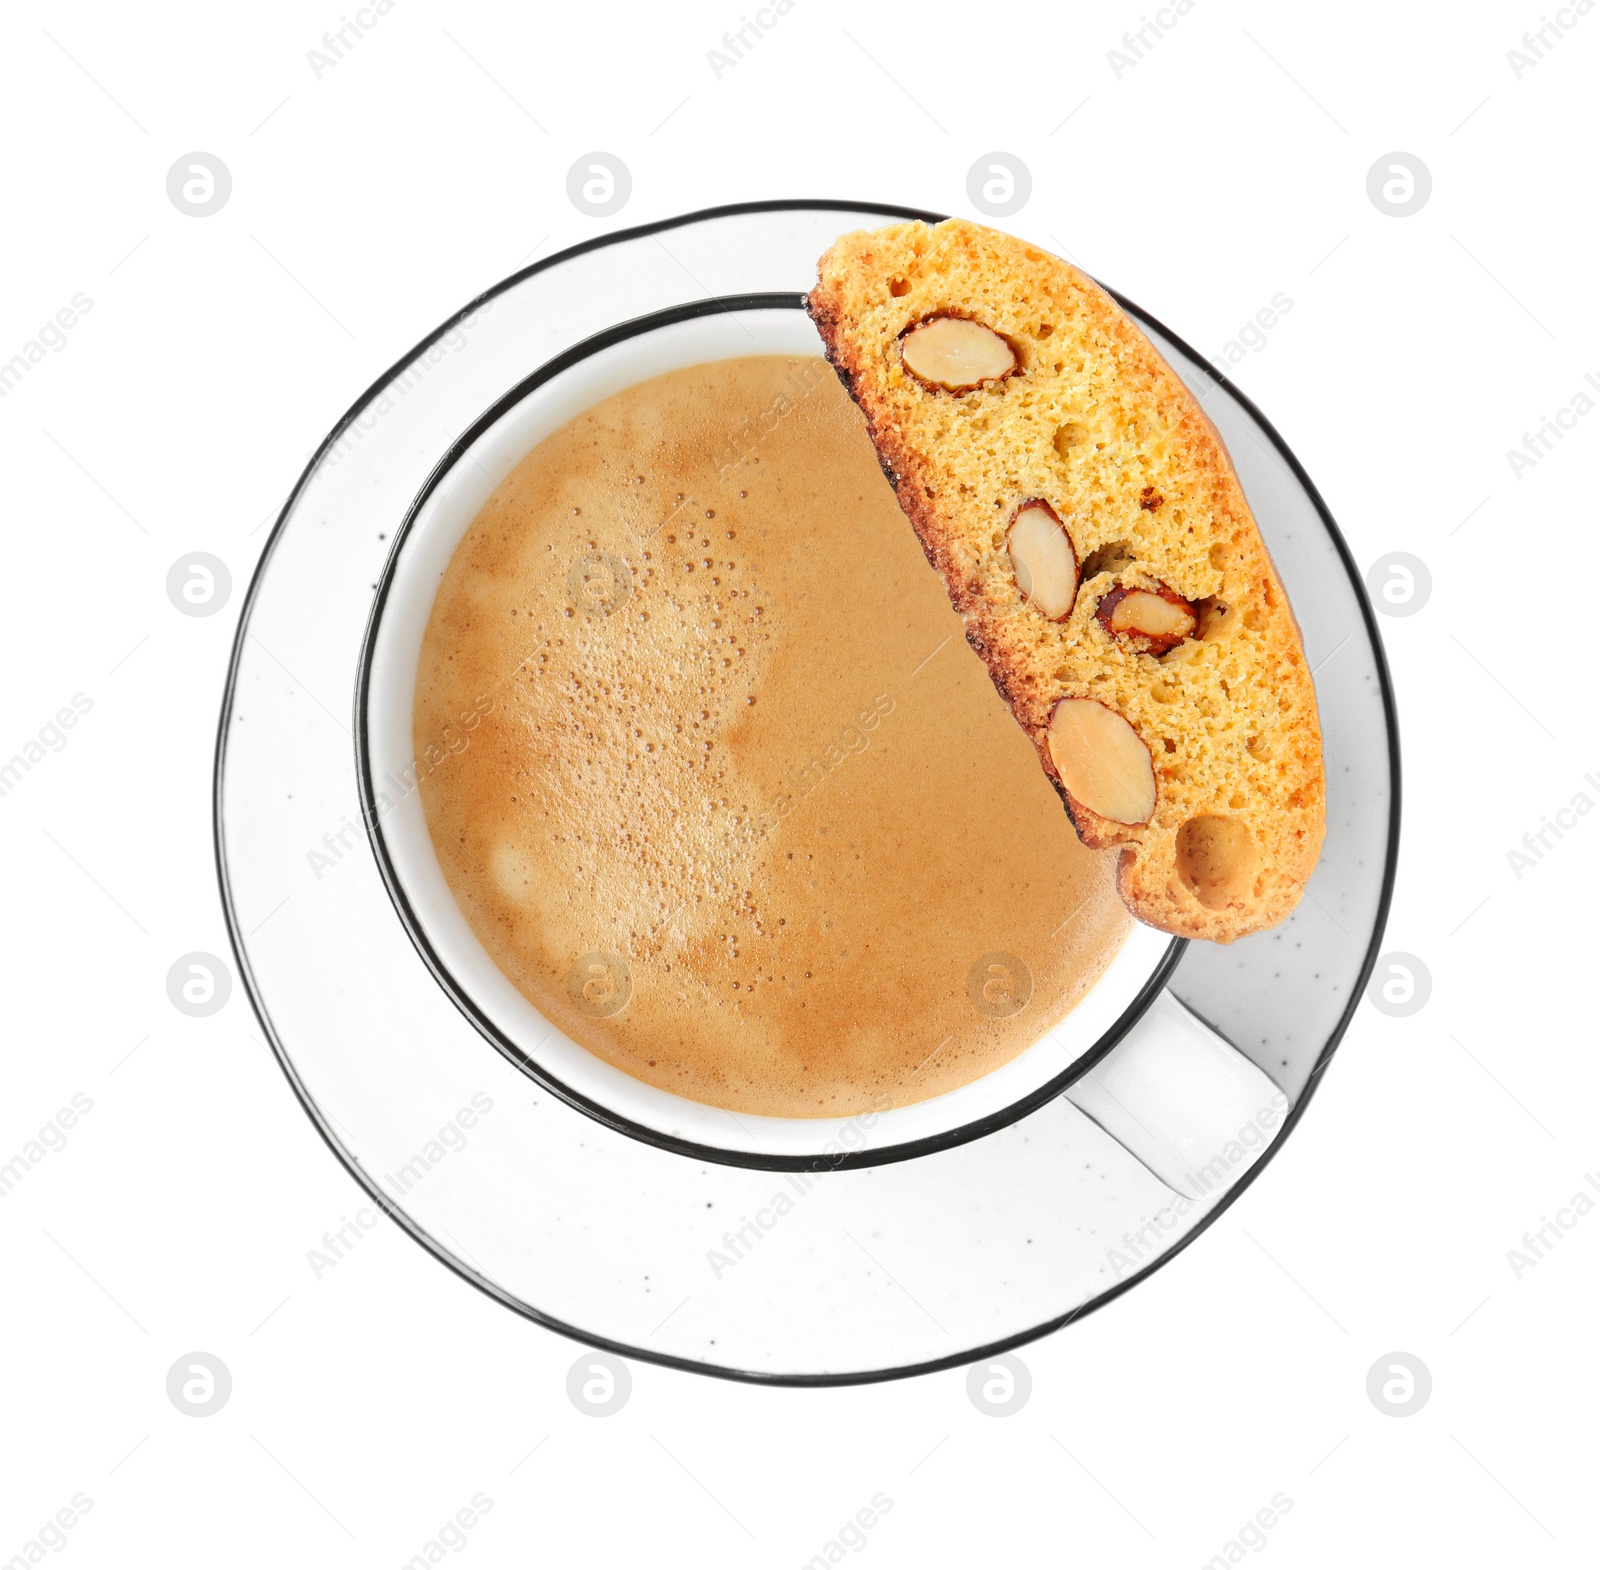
x=836, y=1160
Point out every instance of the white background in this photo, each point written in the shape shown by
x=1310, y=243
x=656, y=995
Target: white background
x=1228, y=165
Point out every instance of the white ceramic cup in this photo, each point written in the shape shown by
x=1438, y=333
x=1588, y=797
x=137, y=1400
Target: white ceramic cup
x=400, y=832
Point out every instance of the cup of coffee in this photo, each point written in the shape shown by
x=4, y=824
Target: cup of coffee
x=687, y=789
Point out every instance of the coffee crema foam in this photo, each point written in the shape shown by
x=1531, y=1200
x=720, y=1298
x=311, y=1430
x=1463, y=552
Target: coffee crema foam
x=745, y=817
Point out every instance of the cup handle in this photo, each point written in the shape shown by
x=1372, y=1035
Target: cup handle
x=1184, y=1101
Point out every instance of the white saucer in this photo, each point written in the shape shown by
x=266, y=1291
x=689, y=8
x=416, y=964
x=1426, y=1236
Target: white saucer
x=792, y=1277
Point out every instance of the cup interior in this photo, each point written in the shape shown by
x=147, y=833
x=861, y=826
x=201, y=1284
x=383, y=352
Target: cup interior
x=439, y=518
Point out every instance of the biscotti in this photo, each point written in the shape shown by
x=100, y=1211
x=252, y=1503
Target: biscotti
x=1092, y=533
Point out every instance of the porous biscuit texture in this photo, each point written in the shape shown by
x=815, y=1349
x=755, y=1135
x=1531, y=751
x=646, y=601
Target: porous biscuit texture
x=1095, y=424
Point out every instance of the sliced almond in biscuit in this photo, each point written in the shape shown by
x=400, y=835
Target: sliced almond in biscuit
x=955, y=353
x=1043, y=560
x=1102, y=762
x=1158, y=619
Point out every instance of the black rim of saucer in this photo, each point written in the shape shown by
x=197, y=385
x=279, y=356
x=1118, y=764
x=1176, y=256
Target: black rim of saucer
x=838, y=1161
x=575, y=1333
